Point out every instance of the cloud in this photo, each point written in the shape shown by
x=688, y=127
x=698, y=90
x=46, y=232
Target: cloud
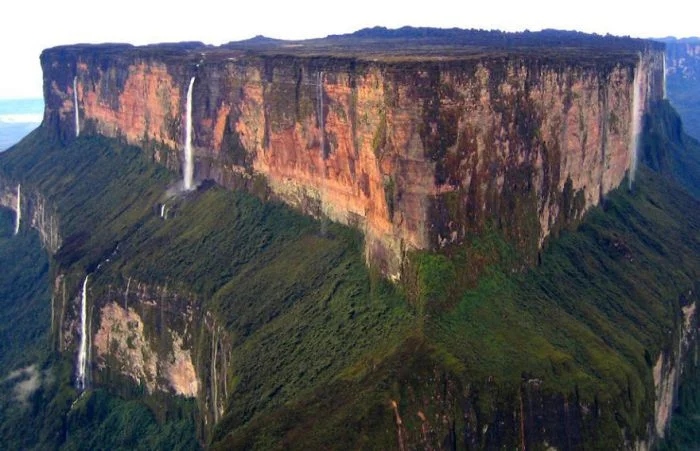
x=28, y=380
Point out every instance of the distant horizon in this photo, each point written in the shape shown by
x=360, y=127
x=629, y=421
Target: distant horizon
x=18, y=117
x=10, y=99
x=27, y=105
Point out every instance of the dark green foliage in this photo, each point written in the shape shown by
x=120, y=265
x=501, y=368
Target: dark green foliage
x=102, y=190
x=52, y=418
x=300, y=306
x=321, y=347
x=684, y=433
x=348, y=413
x=47, y=416
x=38, y=421
x=229, y=228
x=84, y=181
x=584, y=324
x=25, y=303
x=24, y=330
x=100, y=421
x=321, y=319
x=582, y=321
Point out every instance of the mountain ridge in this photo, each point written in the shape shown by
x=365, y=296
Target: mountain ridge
x=293, y=341
x=455, y=144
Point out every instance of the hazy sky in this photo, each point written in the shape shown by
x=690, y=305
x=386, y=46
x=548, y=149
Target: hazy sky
x=28, y=26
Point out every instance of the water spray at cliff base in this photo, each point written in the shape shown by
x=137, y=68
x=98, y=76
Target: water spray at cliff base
x=636, y=126
x=188, y=167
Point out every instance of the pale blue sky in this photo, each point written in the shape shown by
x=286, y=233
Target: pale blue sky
x=28, y=26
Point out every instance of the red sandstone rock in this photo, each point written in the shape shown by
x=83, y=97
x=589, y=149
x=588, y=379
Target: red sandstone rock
x=416, y=156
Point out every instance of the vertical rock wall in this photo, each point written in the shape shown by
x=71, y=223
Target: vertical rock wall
x=416, y=154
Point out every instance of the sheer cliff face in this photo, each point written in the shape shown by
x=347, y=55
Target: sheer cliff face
x=140, y=332
x=418, y=155
x=36, y=211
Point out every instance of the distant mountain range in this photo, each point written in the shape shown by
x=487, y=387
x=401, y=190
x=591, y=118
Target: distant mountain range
x=683, y=80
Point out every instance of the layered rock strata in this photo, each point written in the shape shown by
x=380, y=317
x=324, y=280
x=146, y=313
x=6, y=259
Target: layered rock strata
x=417, y=154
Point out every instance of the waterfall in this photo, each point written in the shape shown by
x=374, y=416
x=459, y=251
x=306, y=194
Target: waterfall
x=214, y=380
x=59, y=326
x=188, y=170
x=75, y=106
x=162, y=211
x=664, y=75
x=126, y=294
x=636, y=125
x=18, y=216
x=88, y=354
x=322, y=133
x=82, y=353
x=319, y=96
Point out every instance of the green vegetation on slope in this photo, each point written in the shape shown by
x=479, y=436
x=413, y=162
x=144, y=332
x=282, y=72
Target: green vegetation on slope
x=613, y=278
x=102, y=190
x=101, y=421
x=25, y=302
x=40, y=409
x=298, y=303
x=24, y=326
x=683, y=163
x=684, y=433
x=321, y=349
x=586, y=325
